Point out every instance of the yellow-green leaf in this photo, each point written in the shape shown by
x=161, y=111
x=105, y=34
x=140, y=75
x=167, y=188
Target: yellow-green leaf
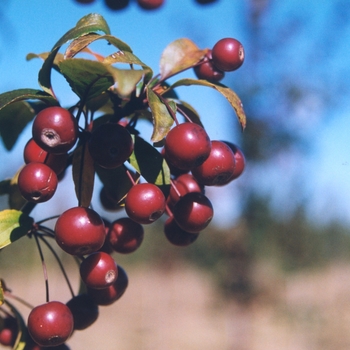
x=179, y=55
x=229, y=94
x=13, y=225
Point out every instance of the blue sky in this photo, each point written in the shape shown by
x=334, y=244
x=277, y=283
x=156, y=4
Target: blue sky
x=36, y=25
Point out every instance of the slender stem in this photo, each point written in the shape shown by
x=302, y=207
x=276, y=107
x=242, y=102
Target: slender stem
x=44, y=267
x=174, y=187
x=129, y=176
x=47, y=219
x=181, y=111
x=59, y=263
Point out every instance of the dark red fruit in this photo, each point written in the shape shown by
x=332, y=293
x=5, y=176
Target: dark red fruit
x=110, y=145
x=33, y=153
x=176, y=235
x=182, y=185
x=111, y=294
x=193, y=212
x=9, y=331
x=116, y=4
x=219, y=168
x=228, y=54
x=50, y=324
x=239, y=160
x=187, y=145
x=80, y=231
x=150, y=4
x=208, y=71
x=84, y=311
x=145, y=203
x=55, y=130
x=125, y=235
x=37, y=182
x=98, y=270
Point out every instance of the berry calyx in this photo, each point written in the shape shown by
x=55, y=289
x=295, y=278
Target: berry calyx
x=110, y=145
x=84, y=310
x=80, y=231
x=176, y=235
x=218, y=168
x=37, y=182
x=228, y=54
x=98, y=270
x=55, y=130
x=50, y=324
x=187, y=145
x=145, y=203
x=125, y=235
x=109, y=295
x=150, y=4
x=193, y=212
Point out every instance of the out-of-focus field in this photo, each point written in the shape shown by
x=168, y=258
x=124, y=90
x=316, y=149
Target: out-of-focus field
x=178, y=307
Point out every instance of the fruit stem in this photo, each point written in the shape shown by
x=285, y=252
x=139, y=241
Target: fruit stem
x=59, y=263
x=127, y=171
x=174, y=187
x=44, y=267
x=181, y=111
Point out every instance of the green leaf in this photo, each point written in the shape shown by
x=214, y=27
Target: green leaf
x=58, y=58
x=116, y=182
x=230, y=95
x=178, y=56
x=13, y=225
x=162, y=118
x=88, y=24
x=87, y=78
x=22, y=333
x=149, y=163
x=13, y=119
x=82, y=42
x=126, y=80
x=26, y=94
x=16, y=200
x=83, y=175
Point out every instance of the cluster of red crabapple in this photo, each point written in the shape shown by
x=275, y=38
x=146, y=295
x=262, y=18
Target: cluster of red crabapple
x=144, y=4
x=194, y=160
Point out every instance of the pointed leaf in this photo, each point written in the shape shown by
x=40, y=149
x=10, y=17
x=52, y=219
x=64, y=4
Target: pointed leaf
x=149, y=163
x=87, y=78
x=126, y=80
x=116, y=182
x=88, y=24
x=58, y=58
x=13, y=225
x=83, y=175
x=83, y=41
x=26, y=94
x=162, y=119
x=179, y=55
x=16, y=200
x=230, y=95
x=13, y=119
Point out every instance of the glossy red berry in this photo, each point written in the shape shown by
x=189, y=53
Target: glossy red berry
x=239, y=160
x=228, y=54
x=150, y=4
x=50, y=324
x=55, y=130
x=145, y=203
x=193, y=212
x=187, y=145
x=219, y=168
x=109, y=295
x=208, y=71
x=80, y=231
x=110, y=145
x=84, y=310
x=125, y=235
x=33, y=153
x=37, y=182
x=98, y=270
x=176, y=235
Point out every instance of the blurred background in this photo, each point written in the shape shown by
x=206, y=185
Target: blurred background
x=272, y=270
